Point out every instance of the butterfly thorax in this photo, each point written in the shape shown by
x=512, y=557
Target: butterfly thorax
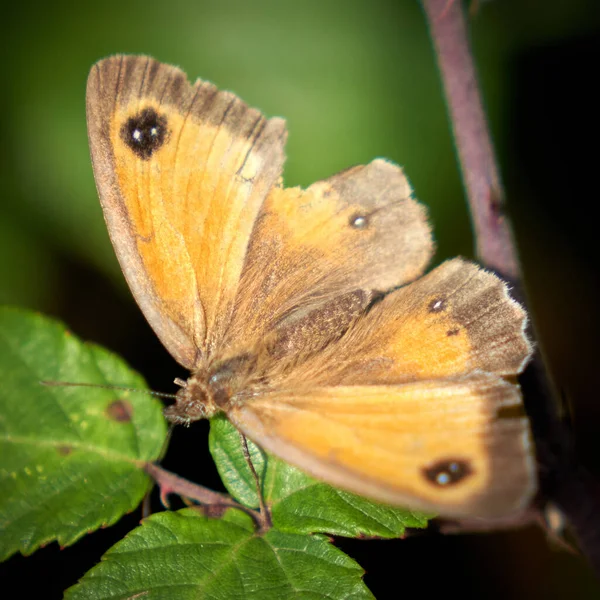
x=211, y=390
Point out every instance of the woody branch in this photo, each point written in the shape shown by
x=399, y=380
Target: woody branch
x=495, y=244
x=563, y=479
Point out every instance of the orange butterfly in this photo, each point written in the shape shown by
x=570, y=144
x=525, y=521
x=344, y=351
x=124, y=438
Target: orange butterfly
x=283, y=303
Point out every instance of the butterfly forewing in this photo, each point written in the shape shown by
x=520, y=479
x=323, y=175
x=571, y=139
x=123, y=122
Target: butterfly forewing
x=182, y=171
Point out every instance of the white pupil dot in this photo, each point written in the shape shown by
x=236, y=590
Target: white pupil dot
x=359, y=222
x=137, y=135
x=154, y=131
x=443, y=478
x=437, y=305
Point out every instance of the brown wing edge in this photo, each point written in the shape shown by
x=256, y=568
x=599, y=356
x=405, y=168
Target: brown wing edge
x=492, y=292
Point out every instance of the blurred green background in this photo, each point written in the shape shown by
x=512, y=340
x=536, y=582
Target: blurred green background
x=354, y=80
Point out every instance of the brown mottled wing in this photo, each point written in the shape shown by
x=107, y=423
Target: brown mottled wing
x=182, y=171
x=358, y=230
x=457, y=319
x=449, y=446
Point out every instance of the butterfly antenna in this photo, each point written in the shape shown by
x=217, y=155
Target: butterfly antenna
x=107, y=387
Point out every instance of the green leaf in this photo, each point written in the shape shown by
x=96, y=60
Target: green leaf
x=184, y=555
x=70, y=457
x=226, y=449
x=299, y=503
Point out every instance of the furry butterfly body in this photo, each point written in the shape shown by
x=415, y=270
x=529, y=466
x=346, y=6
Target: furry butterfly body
x=278, y=301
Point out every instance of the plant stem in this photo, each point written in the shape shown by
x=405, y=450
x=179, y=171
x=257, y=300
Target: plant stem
x=495, y=245
x=564, y=481
x=169, y=483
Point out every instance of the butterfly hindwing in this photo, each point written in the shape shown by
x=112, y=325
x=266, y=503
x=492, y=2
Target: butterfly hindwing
x=458, y=446
x=401, y=400
x=457, y=319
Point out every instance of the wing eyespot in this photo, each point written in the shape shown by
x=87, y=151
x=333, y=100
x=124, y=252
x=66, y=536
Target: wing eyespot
x=145, y=132
x=437, y=305
x=447, y=472
x=358, y=221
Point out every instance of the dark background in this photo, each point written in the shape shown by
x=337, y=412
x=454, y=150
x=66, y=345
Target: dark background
x=355, y=80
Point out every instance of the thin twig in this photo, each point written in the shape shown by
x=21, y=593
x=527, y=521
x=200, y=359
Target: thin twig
x=169, y=483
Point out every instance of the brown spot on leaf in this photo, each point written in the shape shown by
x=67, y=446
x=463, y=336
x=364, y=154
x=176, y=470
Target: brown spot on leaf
x=64, y=450
x=120, y=411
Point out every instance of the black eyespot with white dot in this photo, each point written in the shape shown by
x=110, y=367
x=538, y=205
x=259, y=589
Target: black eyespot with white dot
x=358, y=221
x=437, y=305
x=446, y=473
x=145, y=132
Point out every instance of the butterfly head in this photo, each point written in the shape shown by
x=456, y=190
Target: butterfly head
x=192, y=402
x=210, y=391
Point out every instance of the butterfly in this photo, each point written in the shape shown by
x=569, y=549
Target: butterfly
x=304, y=314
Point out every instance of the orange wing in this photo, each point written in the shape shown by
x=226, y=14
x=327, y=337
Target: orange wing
x=447, y=446
x=456, y=319
x=182, y=171
x=358, y=230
